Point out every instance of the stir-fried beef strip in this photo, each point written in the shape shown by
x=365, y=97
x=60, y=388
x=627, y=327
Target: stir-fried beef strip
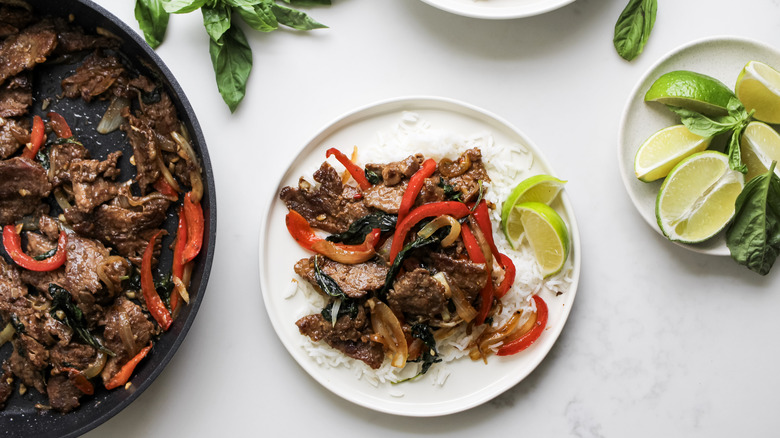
x=71, y=38
x=63, y=393
x=332, y=206
x=468, y=182
x=349, y=335
x=13, y=18
x=418, y=295
x=13, y=135
x=22, y=51
x=127, y=331
x=16, y=96
x=356, y=281
x=60, y=158
x=393, y=173
x=142, y=137
x=22, y=186
x=469, y=276
x=6, y=383
x=91, y=181
x=95, y=76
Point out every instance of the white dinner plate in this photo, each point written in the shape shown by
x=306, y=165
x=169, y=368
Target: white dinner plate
x=469, y=383
x=721, y=57
x=498, y=9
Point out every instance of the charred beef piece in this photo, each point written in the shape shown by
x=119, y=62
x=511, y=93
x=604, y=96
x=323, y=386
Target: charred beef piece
x=6, y=380
x=38, y=244
x=469, y=276
x=60, y=158
x=72, y=355
x=385, y=198
x=468, y=182
x=124, y=317
x=431, y=191
x=16, y=96
x=417, y=294
x=13, y=18
x=393, y=173
x=11, y=289
x=13, y=135
x=29, y=375
x=145, y=150
x=90, y=184
x=354, y=280
x=71, y=38
x=350, y=336
x=22, y=186
x=162, y=115
x=127, y=230
x=331, y=206
x=63, y=394
x=22, y=51
x=94, y=77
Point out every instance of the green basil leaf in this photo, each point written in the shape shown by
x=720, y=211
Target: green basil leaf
x=241, y=3
x=735, y=154
x=700, y=124
x=153, y=21
x=231, y=57
x=295, y=19
x=633, y=28
x=327, y=283
x=259, y=17
x=73, y=317
x=358, y=230
x=216, y=20
x=182, y=6
x=754, y=235
x=308, y=2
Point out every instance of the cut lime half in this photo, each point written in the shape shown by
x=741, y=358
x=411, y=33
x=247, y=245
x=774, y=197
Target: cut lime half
x=664, y=149
x=537, y=188
x=547, y=234
x=691, y=90
x=758, y=87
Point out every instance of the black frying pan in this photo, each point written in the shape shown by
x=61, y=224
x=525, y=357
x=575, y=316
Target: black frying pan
x=20, y=417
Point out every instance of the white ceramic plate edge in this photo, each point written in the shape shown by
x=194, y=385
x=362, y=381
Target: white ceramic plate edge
x=479, y=10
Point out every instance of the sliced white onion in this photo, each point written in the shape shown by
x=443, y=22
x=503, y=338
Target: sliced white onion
x=97, y=366
x=113, y=115
x=180, y=289
x=7, y=334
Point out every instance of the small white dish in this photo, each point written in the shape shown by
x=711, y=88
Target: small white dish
x=721, y=57
x=498, y=9
x=469, y=383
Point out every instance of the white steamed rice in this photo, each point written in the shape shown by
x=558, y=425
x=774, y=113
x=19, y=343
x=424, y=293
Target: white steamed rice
x=507, y=164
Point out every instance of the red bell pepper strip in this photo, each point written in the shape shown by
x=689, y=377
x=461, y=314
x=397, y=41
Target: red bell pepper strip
x=509, y=275
x=124, y=373
x=302, y=232
x=153, y=301
x=472, y=246
x=177, y=269
x=414, y=187
x=452, y=208
x=193, y=212
x=476, y=256
x=36, y=138
x=80, y=381
x=525, y=340
x=13, y=246
x=358, y=174
x=59, y=125
x=162, y=186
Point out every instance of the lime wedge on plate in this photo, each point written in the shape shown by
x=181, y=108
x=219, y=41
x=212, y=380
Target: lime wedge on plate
x=691, y=90
x=697, y=198
x=546, y=233
x=758, y=87
x=760, y=145
x=538, y=188
x=664, y=149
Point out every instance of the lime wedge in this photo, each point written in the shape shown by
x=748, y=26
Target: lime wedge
x=760, y=145
x=691, y=90
x=697, y=198
x=537, y=188
x=664, y=149
x=758, y=87
x=547, y=234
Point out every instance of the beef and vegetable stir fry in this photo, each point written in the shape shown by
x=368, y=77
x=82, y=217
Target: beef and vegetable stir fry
x=410, y=260
x=82, y=298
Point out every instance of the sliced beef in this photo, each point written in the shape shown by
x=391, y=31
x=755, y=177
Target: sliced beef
x=468, y=182
x=331, y=206
x=92, y=181
x=14, y=18
x=355, y=280
x=22, y=51
x=469, y=276
x=71, y=39
x=72, y=355
x=393, y=173
x=22, y=186
x=16, y=96
x=384, y=197
x=162, y=115
x=417, y=294
x=13, y=135
x=60, y=158
x=431, y=191
x=124, y=318
x=63, y=394
x=6, y=383
x=145, y=150
x=94, y=77
x=127, y=230
x=350, y=336
x=84, y=256
x=11, y=289
x=28, y=374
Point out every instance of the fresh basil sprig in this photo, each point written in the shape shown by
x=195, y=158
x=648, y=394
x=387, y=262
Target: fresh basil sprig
x=754, y=235
x=633, y=28
x=736, y=121
x=231, y=55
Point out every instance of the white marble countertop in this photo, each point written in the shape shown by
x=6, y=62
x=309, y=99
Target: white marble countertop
x=661, y=341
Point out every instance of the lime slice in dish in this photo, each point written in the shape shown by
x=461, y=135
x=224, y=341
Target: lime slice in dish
x=691, y=90
x=664, y=149
x=547, y=235
x=758, y=87
x=697, y=198
x=760, y=145
x=537, y=188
